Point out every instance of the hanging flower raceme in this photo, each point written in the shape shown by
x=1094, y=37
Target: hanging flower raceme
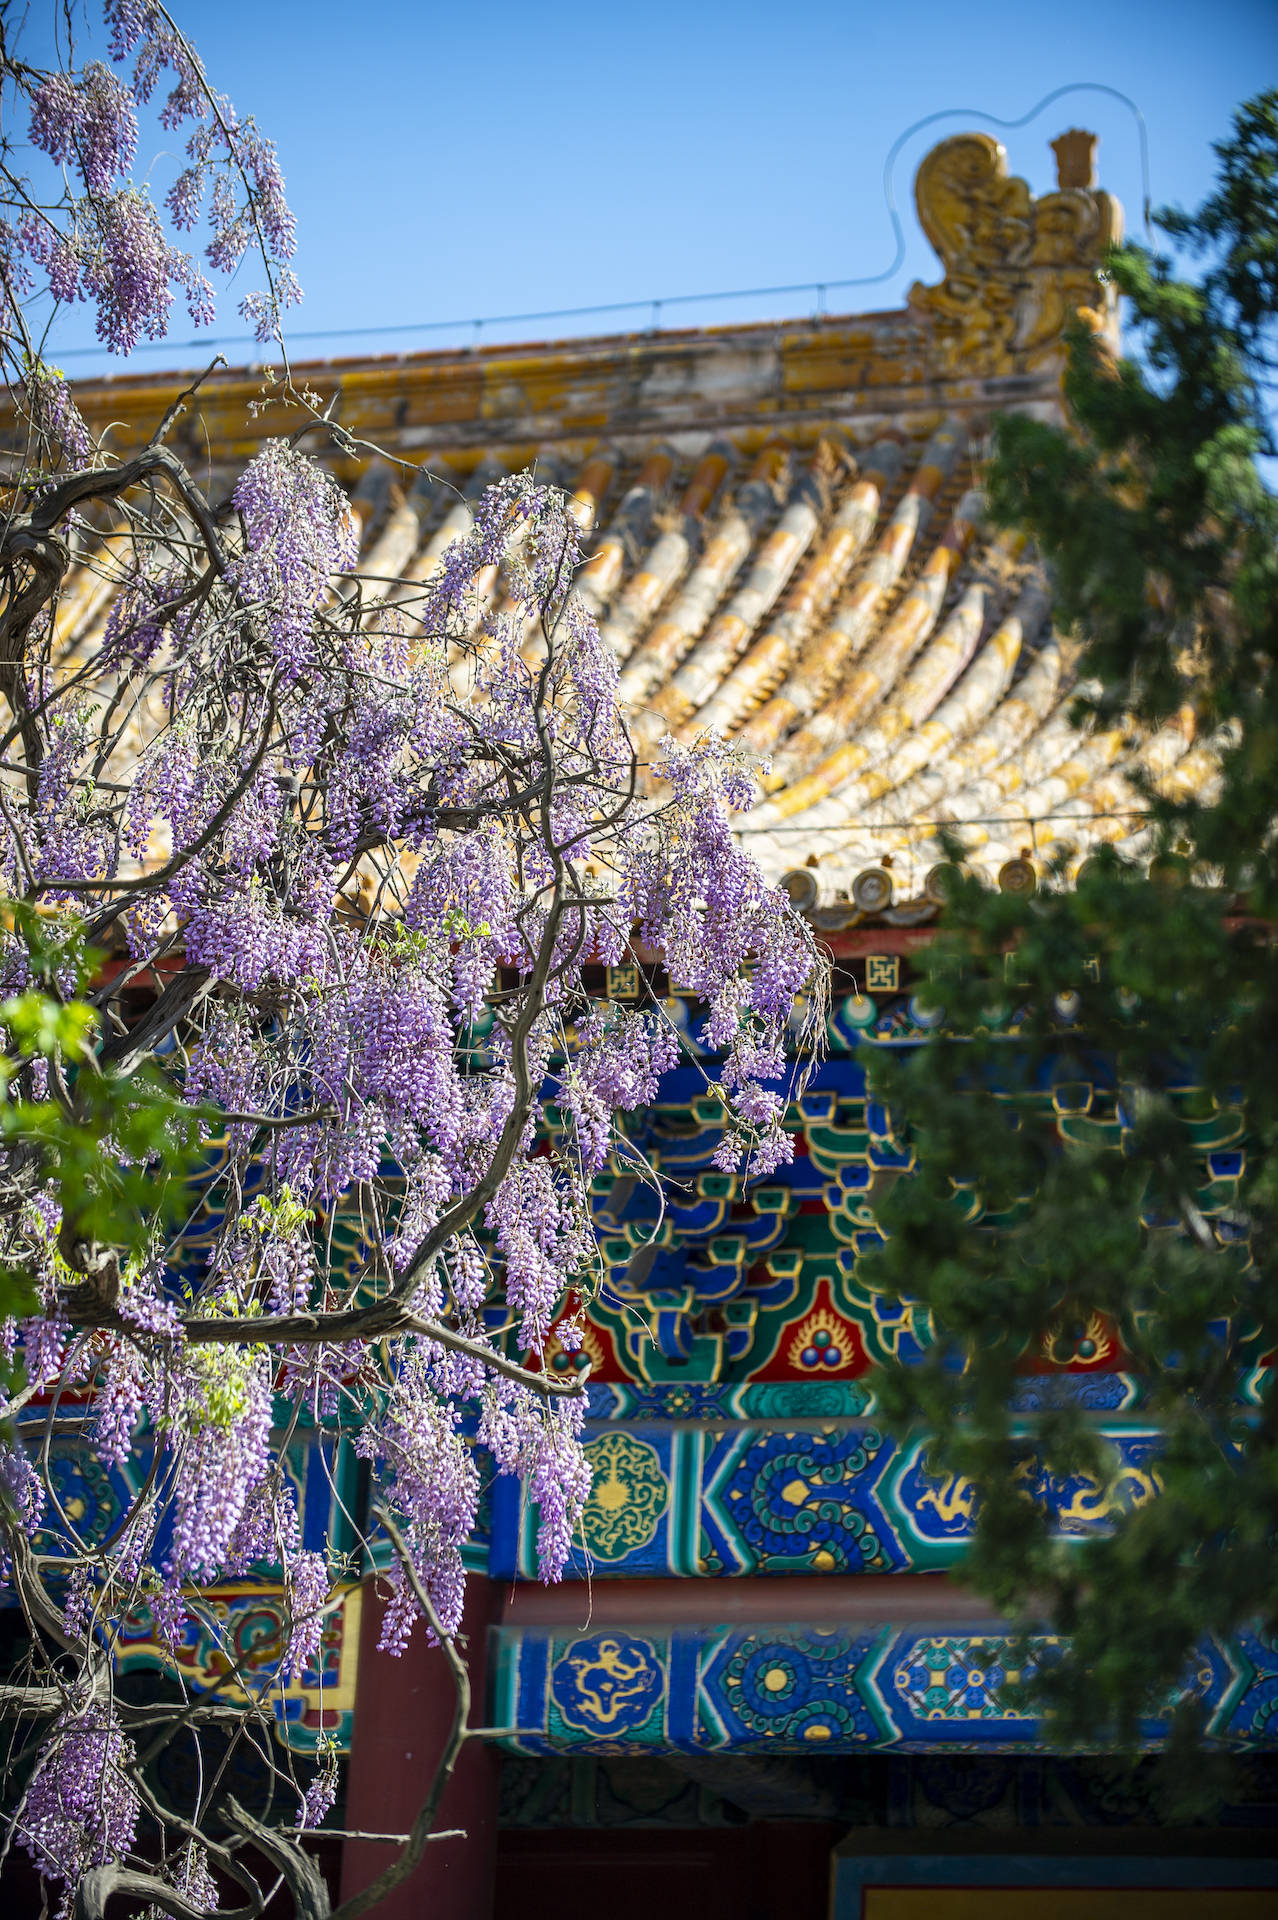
x=352, y=854
x=298, y=532
x=435, y=1488
x=383, y=851
x=114, y=252
x=559, y=1483
x=218, y=1435
x=55, y=415
x=81, y=1806
x=102, y=239
x=90, y=123
x=22, y=1498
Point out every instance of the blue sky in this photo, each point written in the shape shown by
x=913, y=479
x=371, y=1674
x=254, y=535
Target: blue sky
x=450, y=161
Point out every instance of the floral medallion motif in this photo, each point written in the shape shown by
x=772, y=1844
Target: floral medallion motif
x=628, y=1496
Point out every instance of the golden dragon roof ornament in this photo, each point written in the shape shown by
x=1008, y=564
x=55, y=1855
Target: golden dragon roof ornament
x=1017, y=269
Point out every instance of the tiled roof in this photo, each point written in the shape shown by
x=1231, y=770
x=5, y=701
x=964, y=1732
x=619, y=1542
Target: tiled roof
x=789, y=541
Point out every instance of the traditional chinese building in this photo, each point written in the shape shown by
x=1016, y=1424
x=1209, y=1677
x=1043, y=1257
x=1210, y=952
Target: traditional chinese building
x=759, y=1692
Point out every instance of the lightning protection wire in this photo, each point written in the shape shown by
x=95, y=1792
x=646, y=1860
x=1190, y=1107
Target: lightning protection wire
x=656, y=307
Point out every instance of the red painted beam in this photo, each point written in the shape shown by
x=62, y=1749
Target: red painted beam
x=873, y=1598
x=853, y=943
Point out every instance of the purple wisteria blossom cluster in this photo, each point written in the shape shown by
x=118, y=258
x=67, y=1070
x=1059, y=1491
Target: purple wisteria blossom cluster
x=355, y=914
x=81, y=1807
x=380, y=848
x=352, y=856
x=298, y=530
x=97, y=235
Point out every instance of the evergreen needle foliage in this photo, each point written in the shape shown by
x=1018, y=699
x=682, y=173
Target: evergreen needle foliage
x=1096, y=1128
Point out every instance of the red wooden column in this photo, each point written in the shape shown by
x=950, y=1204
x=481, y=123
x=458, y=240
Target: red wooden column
x=403, y=1710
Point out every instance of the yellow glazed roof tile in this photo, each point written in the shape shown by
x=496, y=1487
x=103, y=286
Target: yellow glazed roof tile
x=784, y=535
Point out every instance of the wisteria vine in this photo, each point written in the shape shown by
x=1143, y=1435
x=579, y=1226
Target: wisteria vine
x=347, y=856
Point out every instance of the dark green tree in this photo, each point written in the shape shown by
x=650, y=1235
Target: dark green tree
x=1095, y=1124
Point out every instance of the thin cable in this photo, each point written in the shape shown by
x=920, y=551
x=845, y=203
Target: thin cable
x=655, y=306
x=970, y=820
x=1010, y=126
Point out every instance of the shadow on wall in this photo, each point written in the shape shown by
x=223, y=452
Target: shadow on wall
x=772, y=1871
